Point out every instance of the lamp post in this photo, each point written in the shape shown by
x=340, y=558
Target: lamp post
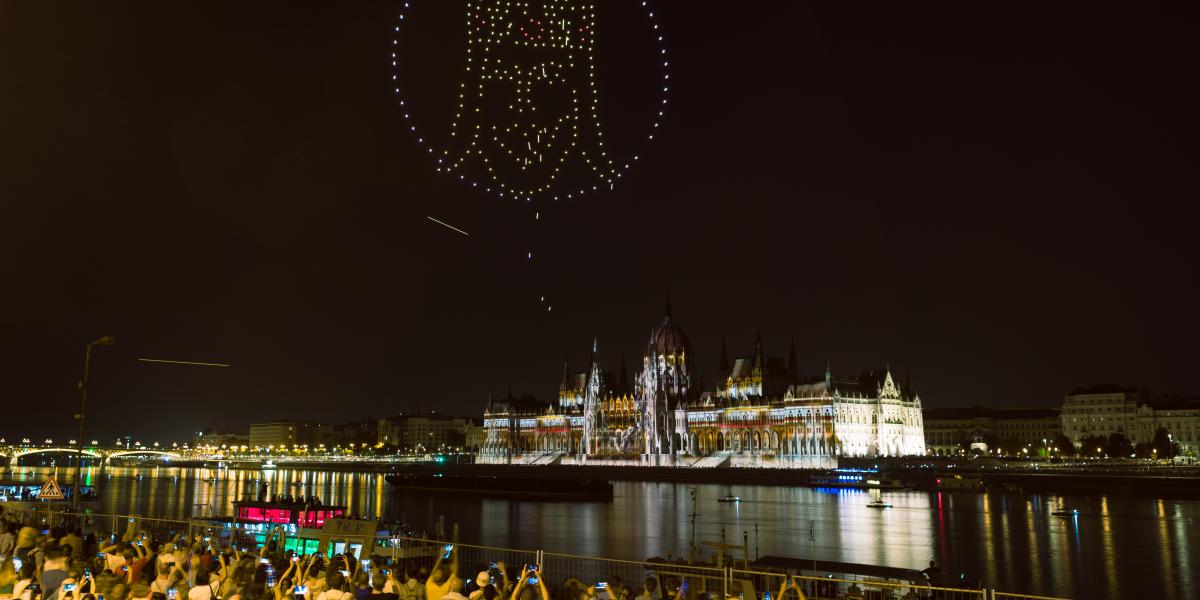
x=83, y=391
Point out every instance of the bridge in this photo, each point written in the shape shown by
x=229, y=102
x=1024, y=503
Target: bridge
x=13, y=454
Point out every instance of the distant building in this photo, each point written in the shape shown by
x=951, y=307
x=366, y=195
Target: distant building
x=430, y=432
x=950, y=431
x=284, y=433
x=474, y=434
x=1179, y=416
x=762, y=412
x=1102, y=410
x=357, y=433
x=217, y=438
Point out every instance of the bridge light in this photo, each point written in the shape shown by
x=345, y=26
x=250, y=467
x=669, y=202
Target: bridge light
x=49, y=441
x=95, y=443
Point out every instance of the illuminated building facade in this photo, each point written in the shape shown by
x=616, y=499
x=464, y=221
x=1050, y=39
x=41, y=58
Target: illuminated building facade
x=762, y=413
x=1102, y=410
x=284, y=433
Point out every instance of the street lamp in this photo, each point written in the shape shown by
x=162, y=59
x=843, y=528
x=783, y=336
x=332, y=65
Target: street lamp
x=83, y=391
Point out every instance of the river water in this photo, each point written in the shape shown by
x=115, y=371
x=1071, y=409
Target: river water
x=1119, y=546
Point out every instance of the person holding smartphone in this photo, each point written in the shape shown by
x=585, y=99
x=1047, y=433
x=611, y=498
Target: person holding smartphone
x=531, y=583
x=442, y=578
x=54, y=570
x=25, y=578
x=336, y=583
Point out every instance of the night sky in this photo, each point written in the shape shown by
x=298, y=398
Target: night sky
x=995, y=198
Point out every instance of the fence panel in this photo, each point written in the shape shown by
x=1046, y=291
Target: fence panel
x=569, y=575
x=761, y=585
x=1007, y=596
x=418, y=556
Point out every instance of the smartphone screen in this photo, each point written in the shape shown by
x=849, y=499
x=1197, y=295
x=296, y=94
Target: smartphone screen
x=69, y=587
x=532, y=581
x=171, y=593
x=17, y=564
x=300, y=589
x=603, y=585
x=447, y=550
x=366, y=561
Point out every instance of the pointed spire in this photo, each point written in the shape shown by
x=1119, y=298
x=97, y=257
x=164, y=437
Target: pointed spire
x=724, y=359
x=595, y=346
x=758, y=352
x=828, y=374
x=489, y=402
x=566, y=376
x=667, y=312
x=793, y=367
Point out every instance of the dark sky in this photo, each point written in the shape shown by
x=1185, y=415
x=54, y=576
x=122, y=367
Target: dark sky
x=997, y=198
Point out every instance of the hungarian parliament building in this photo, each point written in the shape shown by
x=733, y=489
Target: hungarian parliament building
x=762, y=413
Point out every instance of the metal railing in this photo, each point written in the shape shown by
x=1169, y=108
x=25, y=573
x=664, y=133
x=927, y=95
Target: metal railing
x=567, y=576
x=762, y=585
x=1007, y=596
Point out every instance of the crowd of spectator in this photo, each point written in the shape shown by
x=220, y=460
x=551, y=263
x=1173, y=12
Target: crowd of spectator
x=63, y=564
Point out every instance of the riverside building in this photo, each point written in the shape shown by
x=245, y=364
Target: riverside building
x=762, y=413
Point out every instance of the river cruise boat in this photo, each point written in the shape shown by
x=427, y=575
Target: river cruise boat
x=863, y=480
x=19, y=496
x=307, y=528
x=731, y=499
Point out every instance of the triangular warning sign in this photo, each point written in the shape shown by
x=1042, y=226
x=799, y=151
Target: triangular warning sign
x=50, y=490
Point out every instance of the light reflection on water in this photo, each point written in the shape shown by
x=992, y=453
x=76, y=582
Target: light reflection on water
x=1118, y=545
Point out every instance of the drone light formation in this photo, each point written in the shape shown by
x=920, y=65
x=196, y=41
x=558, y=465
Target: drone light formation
x=527, y=124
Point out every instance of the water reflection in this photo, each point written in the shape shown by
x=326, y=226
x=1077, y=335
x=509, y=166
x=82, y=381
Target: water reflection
x=1009, y=541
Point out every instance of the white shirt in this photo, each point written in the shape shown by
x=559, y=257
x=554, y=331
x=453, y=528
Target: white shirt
x=334, y=595
x=202, y=592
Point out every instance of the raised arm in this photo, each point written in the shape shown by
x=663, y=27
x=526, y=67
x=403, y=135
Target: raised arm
x=454, y=552
x=308, y=564
x=542, y=583
x=681, y=592
x=503, y=573
x=278, y=587
x=516, y=594
x=795, y=586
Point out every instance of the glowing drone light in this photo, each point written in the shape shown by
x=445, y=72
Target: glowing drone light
x=519, y=147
